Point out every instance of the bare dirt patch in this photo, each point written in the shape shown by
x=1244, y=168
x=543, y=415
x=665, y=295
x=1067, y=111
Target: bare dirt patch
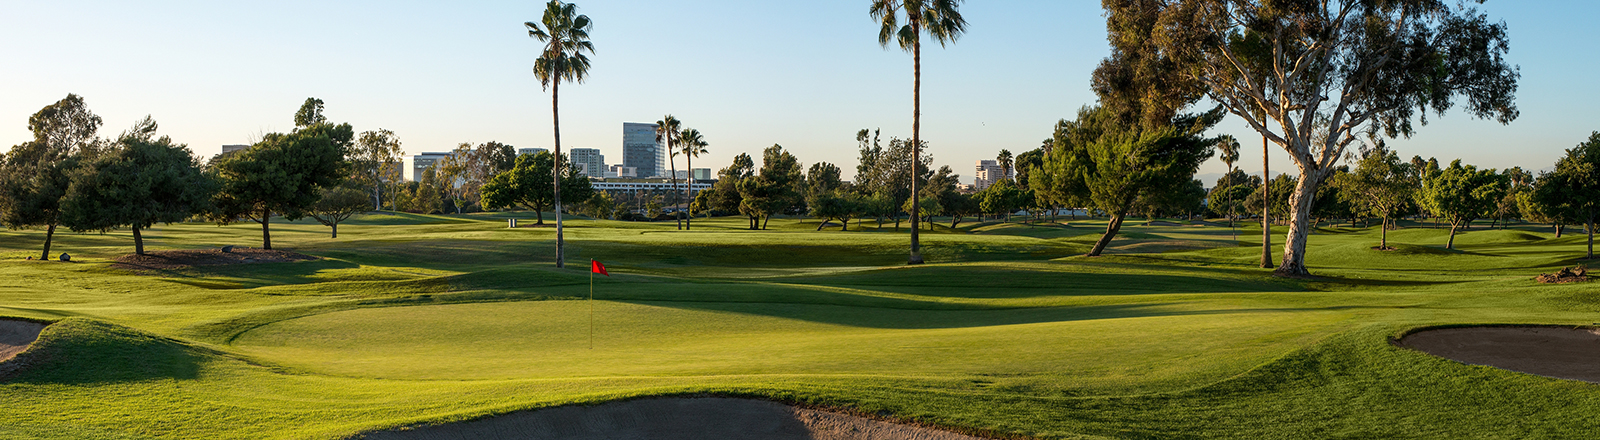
x=1565, y=275
x=673, y=419
x=16, y=336
x=1559, y=352
x=182, y=259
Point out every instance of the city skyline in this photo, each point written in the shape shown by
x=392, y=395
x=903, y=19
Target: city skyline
x=463, y=76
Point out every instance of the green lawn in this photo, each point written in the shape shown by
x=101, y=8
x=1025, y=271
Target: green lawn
x=414, y=318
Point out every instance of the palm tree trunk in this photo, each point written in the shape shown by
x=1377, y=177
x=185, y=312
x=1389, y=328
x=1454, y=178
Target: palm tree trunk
x=916, y=140
x=555, y=116
x=673, y=164
x=1266, y=208
x=688, y=160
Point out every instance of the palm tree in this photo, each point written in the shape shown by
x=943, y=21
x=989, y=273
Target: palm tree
x=566, y=38
x=693, y=145
x=666, y=132
x=940, y=20
x=1005, y=160
x=1230, y=154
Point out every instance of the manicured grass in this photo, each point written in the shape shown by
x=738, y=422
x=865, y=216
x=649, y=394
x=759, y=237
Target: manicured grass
x=413, y=318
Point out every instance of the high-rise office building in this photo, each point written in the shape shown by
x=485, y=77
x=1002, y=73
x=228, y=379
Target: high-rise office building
x=702, y=174
x=988, y=173
x=640, y=150
x=522, y=151
x=422, y=162
x=589, y=161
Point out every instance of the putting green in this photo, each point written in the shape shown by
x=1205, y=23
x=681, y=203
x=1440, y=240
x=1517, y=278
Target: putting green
x=1061, y=347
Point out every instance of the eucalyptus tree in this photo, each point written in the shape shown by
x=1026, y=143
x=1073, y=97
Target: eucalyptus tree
x=691, y=144
x=1311, y=76
x=941, y=20
x=566, y=37
x=667, y=133
x=1228, y=152
x=35, y=176
x=376, y=159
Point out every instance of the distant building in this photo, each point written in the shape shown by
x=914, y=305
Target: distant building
x=702, y=174
x=522, y=151
x=232, y=148
x=589, y=161
x=422, y=162
x=640, y=149
x=619, y=171
x=988, y=173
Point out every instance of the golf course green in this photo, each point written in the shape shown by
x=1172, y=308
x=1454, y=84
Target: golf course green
x=1008, y=331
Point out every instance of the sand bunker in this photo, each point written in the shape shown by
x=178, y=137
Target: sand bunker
x=16, y=336
x=182, y=259
x=672, y=419
x=1559, y=352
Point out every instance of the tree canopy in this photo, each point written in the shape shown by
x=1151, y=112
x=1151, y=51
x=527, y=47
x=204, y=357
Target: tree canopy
x=1312, y=77
x=1461, y=194
x=283, y=174
x=1572, y=191
x=526, y=185
x=138, y=182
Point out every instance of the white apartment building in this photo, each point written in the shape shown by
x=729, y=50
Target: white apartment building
x=988, y=173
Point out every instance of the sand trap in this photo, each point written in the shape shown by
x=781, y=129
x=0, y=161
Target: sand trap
x=1559, y=352
x=672, y=419
x=16, y=336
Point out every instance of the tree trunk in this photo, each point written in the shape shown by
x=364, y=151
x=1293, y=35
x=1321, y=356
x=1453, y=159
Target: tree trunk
x=673, y=165
x=335, y=227
x=844, y=227
x=541, y=215
x=689, y=164
x=766, y=220
x=1266, y=208
x=266, y=230
x=824, y=222
x=1591, y=240
x=1558, y=230
x=1383, y=244
x=555, y=116
x=1294, y=246
x=916, y=140
x=49, y=234
x=138, y=241
x=1451, y=244
x=954, y=220
x=1111, y=232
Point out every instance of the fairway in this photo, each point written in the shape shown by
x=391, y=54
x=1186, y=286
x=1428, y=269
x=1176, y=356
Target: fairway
x=409, y=319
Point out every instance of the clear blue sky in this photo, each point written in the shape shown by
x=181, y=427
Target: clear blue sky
x=748, y=74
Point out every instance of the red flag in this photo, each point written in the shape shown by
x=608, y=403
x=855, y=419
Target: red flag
x=596, y=267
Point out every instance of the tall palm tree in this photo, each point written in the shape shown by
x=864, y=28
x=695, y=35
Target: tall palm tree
x=667, y=132
x=1230, y=154
x=693, y=145
x=566, y=37
x=941, y=20
x=1005, y=160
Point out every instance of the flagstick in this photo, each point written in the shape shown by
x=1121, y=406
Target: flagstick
x=591, y=304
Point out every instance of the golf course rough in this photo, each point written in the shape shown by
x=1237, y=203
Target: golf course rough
x=417, y=320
